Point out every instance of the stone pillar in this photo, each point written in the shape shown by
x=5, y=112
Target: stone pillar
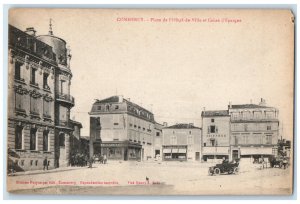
x=67, y=149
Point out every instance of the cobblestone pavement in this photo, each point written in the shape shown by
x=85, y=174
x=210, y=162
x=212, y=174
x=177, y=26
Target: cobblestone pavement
x=164, y=178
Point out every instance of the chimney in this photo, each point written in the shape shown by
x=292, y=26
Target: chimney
x=165, y=124
x=30, y=31
x=230, y=104
x=262, y=102
x=120, y=99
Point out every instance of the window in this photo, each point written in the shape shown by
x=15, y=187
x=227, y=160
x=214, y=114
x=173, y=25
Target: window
x=246, y=127
x=190, y=132
x=268, y=139
x=33, y=76
x=190, y=139
x=116, y=107
x=47, y=109
x=45, y=81
x=269, y=127
x=212, y=129
x=18, y=70
x=34, y=105
x=116, y=123
x=36, y=162
x=157, y=134
x=18, y=137
x=45, y=140
x=61, y=139
x=22, y=163
x=204, y=144
x=212, y=120
x=33, y=139
x=98, y=107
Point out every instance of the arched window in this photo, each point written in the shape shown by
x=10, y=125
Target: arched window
x=45, y=140
x=33, y=138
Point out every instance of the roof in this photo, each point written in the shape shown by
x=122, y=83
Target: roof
x=241, y=106
x=182, y=126
x=215, y=113
x=112, y=99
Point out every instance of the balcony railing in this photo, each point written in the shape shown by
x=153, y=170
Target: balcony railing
x=66, y=97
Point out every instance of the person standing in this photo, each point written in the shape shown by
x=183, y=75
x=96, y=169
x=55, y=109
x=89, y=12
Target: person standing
x=45, y=164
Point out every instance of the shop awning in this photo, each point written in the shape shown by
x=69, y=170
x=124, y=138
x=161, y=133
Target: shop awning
x=182, y=151
x=256, y=151
x=174, y=150
x=166, y=150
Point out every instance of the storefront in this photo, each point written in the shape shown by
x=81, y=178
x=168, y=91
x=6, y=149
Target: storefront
x=117, y=150
x=175, y=153
x=212, y=154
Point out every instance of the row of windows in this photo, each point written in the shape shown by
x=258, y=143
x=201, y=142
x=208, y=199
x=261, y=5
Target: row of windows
x=63, y=85
x=108, y=107
x=34, y=105
x=253, y=115
x=139, y=127
x=174, y=132
x=247, y=127
x=173, y=140
x=253, y=140
x=19, y=139
x=33, y=76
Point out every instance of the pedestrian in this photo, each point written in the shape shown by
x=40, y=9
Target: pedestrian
x=104, y=158
x=285, y=162
x=45, y=163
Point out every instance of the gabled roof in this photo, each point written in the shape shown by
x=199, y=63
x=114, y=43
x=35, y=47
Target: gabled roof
x=182, y=126
x=241, y=106
x=215, y=113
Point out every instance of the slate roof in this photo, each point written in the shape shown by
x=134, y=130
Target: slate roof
x=182, y=126
x=215, y=113
x=112, y=99
x=241, y=106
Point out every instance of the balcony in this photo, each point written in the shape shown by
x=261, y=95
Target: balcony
x=66, y=98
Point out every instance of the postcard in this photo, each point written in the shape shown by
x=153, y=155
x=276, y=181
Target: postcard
x=150, y=101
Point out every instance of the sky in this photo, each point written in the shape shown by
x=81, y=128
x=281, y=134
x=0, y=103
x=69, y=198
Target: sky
x=174, y=68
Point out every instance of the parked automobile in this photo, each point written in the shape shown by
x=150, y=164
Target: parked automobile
x=224, y=167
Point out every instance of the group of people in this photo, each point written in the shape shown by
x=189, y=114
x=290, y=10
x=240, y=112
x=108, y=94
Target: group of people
x=102, y=158
x=79, y=159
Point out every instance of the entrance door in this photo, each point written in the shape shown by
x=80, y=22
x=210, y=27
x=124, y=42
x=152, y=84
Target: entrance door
x=197, y=156
x=157, y=152
x=235, y=154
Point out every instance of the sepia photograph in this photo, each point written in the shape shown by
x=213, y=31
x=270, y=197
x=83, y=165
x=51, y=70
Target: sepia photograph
x=150, y=101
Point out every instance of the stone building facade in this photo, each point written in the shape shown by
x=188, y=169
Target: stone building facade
x=124, y=129
x=215, y=135
x=242, y=131
x=39, y=100
x=254, y=130
x=181, y=142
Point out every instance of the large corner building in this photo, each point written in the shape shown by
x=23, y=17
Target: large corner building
x=39, y=100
